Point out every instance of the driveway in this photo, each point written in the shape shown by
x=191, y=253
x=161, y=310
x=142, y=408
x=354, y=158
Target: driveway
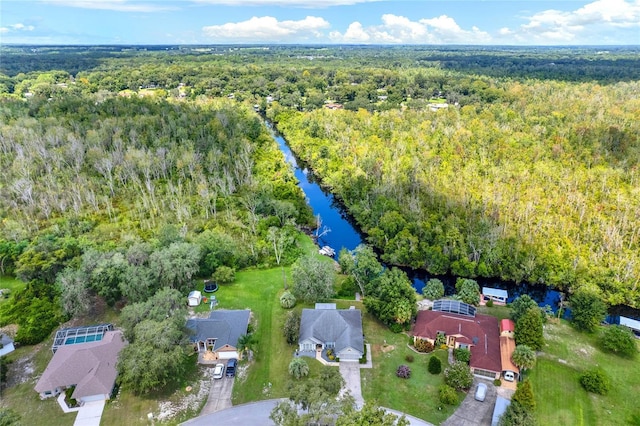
x=90, y=414
x=219, y=396
x=351, y=374
x=472, y=412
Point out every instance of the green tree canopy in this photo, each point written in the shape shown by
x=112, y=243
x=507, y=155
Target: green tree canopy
x=433, y=289
x=521, y=305
x=313, y=279
x=529, y=330
x=587, y=310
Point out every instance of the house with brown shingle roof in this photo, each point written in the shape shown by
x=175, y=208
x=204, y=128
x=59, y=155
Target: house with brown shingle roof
x=90, y=367
x=478, y=333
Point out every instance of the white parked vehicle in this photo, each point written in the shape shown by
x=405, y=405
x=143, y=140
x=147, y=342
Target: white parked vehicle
x=509, y=376
x=218, y=371
x=481, y=392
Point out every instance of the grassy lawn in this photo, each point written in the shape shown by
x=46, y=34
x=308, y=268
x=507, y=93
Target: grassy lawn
x=418, y=395
x=498, y=311
x=10, y=283
x=559, y=397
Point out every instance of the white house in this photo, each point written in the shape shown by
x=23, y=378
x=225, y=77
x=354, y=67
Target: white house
x=6, y=345
x=195, y=297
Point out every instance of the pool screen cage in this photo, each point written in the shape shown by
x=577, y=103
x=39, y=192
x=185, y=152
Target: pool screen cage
x=84, y=334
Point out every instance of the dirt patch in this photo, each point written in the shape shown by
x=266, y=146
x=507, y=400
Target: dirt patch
x=21, y=370
x=387, y=348
x=190, y=401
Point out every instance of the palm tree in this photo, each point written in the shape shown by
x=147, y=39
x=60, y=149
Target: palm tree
x=246, y=343
x=524, y=357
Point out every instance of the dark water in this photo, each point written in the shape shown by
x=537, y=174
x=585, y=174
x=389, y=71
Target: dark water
x=343, y=233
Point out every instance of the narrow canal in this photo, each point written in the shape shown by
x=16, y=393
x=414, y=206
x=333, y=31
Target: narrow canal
x=342, y=233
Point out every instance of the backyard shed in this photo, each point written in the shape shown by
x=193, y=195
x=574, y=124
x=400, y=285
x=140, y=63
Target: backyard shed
x=495, y=294
x=195, y=297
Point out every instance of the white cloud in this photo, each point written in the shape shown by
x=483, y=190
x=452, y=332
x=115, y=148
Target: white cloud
x=306, y=4
x=585, y=24
x=267, y=29
x=14, y=28
x=115, y=5
x=401, y=30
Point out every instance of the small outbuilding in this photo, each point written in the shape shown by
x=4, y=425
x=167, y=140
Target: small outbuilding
x=6, y=344
x=195, y=297
x=497, y=295
x=634, y=325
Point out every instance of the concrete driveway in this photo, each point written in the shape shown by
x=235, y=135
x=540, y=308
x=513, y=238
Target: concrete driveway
x=219, y=396
x=351, y=374
x=472, y=412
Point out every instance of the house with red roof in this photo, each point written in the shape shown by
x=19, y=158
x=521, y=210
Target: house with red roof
x=478, y=333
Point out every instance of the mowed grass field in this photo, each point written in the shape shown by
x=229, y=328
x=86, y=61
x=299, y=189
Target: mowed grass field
x=561, y=400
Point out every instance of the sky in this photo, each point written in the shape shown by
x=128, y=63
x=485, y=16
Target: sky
x=478, y=22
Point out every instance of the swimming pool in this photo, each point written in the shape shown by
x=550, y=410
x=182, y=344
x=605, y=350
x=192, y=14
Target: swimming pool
x=83, y=339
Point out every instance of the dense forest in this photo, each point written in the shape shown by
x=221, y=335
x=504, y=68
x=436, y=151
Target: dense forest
x=118, y=197
x=128, y=161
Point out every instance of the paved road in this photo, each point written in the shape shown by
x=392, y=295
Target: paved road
x=255, y=413
x=472, y=412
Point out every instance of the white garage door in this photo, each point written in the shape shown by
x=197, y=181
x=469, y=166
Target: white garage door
x=227, y=355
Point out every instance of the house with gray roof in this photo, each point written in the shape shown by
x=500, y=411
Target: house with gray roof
x=219, y=333
x=90, y=367
x=329, y=328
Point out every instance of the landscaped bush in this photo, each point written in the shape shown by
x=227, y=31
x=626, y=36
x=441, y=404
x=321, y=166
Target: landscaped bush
x=224, y=275
x=497, y=382
x=619, y=340
x=595, y=381
x=396, y=328
x=489, y=303
x=448, y=395
x=435, y=365
x=404, y=372
x=517, y=415
x=524, y=395
x=462, y=355
x=458, y=376
x=363, y=358
x=409, y=358
x=422, y=345
x=331, y=355
x=287, y=300
x=291, y=328
x=434, y=289
x=298, y=368
x=441, y=340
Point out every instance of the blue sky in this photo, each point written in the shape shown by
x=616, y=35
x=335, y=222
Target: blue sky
x=510, y=22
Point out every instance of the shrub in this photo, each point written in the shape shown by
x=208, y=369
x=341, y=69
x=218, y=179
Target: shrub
x=489, y=303
x=330, y=354
x=224, y=275
x=435, y=365
x=409, y=358
x=497, y=382
x=448, y=395
x=434, y=289
x=462, y=355
x=458, y=376
x=524, y=395
x=291, y=328
x=287, y=300
x=441, y=340
x=422, y=345
x=619, y=340
x=404, y=372
x=298, y=368
x=517, y=415
x=396, y=328
x=595, y=381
